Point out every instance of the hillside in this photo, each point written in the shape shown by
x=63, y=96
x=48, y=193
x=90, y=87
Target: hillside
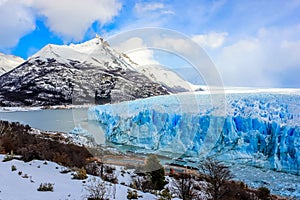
x=90, y=72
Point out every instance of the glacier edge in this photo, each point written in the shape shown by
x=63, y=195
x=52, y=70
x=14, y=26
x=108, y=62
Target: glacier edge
x=260, y=130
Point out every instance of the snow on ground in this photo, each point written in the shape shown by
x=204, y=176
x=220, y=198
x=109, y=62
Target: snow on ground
x=14, y=186
x=18, y=109
x=33, y=108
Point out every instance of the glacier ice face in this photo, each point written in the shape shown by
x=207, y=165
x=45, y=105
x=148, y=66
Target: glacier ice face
x=258, y=129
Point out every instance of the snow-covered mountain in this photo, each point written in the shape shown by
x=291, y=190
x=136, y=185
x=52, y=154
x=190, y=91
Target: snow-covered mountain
x=77, y=73
x=168, y=78
x=8, y=62
x=87, y=53
x=258, y=127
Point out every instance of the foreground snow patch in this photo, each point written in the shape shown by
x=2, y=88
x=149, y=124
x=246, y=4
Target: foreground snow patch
x=14, y=186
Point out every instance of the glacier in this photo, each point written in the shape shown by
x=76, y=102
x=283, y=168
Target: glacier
x=255, y=128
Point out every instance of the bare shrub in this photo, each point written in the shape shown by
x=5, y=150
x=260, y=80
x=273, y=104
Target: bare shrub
x=97, y=189
x=216, y=175
x=46, y=187
x=183, y=186
x=80, y=174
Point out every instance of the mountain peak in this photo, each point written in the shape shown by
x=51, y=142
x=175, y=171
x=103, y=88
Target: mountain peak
x=8, y=62
x=76, y=73
x=91, y=52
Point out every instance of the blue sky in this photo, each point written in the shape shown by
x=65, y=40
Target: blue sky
x=252, y=43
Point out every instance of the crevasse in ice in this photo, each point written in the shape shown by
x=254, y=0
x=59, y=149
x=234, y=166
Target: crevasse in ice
x=259, y=129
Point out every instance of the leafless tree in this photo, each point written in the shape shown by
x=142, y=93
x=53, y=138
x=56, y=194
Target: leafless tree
x=216, y=175
x=183, y=186
x=97, y=189
x=5, y=127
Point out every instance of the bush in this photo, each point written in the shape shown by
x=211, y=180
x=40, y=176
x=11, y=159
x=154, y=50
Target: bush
x=25, y=176
x=52, y=147
x=8, y=157
x=263, y=193
x=243, y=185
x=109, y=169
x=183, y=186
x=156, y=171
x=165, y=195
x=2, y=149
x=132, y=194
x=13, y=168
x=46, y=187
x=110, y=178
x=216, y=175
x=80, y=174
x=93, y=168
x=96, y=189
x=142, y=183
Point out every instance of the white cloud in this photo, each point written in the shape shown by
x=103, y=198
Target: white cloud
x=168, y=48
x=67, y=18
x=160, y=8
x=137, y=50
x=211, y=40
x=242, y=64
x=144, y=7
x=71, y=19
x=173, y=44
x=2, y=2
x=16, y=21
x=267, y=60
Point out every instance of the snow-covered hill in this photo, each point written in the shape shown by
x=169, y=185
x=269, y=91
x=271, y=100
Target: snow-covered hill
x=83, y=73
x=168, y=78
x=8, y=62
x=14, y=186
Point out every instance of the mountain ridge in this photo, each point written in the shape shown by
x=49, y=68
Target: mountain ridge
x=91, y=72
x=8, y=62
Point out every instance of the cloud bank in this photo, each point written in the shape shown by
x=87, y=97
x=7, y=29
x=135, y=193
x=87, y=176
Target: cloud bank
x=270, y=59
x=16, y=21
x=67, y=18
x=71, y=19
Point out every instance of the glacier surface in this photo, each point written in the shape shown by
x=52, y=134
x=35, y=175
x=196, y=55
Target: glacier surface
x=259, y=129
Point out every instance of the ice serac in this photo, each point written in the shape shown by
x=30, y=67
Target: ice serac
x=259, y=128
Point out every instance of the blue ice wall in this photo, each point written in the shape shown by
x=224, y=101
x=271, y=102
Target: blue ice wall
x=258, y=129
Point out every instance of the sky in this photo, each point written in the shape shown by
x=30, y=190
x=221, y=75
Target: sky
x=251, y=43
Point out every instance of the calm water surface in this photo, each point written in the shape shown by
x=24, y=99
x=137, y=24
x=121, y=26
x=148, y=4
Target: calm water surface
x=63, y=120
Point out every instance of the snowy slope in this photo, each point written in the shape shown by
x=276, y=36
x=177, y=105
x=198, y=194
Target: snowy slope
x=259, y=128
x=89, y=52
x=14, y=186
x=8, y=62
x=168, y=78
x=95, y=52
x=91, y=72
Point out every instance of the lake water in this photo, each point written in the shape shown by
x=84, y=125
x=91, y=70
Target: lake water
x=63, y=120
